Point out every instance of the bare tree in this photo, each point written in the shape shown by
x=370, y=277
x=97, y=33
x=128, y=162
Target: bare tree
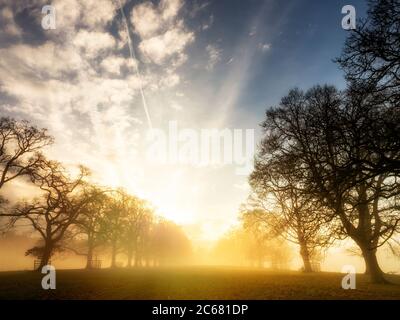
x=371, y=57
x=328, y=135
x=137, y=229
x=20, y=155
x=90, y=221
x=57, y=210
x=371, y=61
x=20, y=146
x=252, y=243
x=114, y=223
x=287, y=208
x=258, y=234
x=169, y=243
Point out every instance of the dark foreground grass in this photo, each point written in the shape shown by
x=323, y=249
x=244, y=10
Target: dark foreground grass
x=191, y=283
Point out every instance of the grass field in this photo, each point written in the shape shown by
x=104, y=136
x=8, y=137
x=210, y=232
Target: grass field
x=191, y=283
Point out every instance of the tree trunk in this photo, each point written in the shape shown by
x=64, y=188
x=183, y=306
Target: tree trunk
x=130, y=257
x=89, y=257
x=372, y=267
x=113, y=255
x=47, y=251
x=305, y=255
x=138, y=260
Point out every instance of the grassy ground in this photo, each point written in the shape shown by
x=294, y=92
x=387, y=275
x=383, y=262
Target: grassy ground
x=191, y=283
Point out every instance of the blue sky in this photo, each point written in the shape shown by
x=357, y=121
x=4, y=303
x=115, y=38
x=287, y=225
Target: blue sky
x=304, y=37
x=205, y=64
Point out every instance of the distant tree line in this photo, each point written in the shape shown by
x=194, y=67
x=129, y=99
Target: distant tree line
x=252, y=243
x=73, y=214
x=328, y=166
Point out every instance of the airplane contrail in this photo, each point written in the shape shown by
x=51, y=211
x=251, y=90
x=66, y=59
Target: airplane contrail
x=134, y=60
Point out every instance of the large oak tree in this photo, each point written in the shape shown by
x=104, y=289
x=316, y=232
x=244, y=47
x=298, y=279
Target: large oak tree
x=329, y=135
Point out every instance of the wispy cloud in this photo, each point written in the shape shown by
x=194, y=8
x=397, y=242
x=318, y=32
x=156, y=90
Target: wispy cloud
x=78, y=81
x=164, y=36
x=214, y=56
x=8, y=24
x=264, y=47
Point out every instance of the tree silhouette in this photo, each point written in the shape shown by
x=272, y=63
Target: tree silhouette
x=287, y=208
x=371, y=61
x=113, y=224
x=371, y=57
x=252, y=243
x=53, y=214
x=90, y=221
x=20, y=146
x=20, y=155
x=329, y=136
x=138, y=221
x=169, y=244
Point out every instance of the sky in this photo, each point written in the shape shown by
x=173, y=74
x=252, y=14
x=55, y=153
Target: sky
x=104, y=77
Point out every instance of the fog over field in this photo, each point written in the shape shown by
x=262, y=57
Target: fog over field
x=187, y=142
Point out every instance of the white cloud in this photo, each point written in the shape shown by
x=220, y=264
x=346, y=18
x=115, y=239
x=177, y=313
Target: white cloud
x=71, y=80
x=170, y=80
x=72, y=16
x=208, y=24
x=172, y=43
x=48, y=60
x=163, y=35
x=170, y=8
x=10, y=28
x=176, y=106
x=113, y=64
x=93, y=42
x=68, y=13
x=198, y=6
x=214, y=56
x=264, y=47
x=252, y=32
x=146, y=19
x=72, y=83
x=97, y=13
x=149, y=19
